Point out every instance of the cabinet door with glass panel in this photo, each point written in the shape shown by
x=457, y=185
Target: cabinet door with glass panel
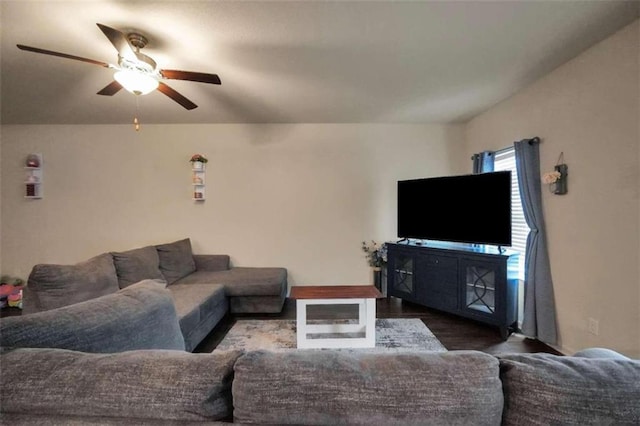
x=482, y=292
x=401, y=279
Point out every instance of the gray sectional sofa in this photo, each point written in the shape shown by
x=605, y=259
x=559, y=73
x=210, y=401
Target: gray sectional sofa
x=204, y=287
x=120, y=360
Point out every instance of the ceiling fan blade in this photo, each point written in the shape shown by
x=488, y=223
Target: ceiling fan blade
x=111, y=89
x=119, y=41
x=62, y=55
x=176, y=96
x=191, y=76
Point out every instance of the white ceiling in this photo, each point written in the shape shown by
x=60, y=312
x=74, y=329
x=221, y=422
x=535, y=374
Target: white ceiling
x=295, y=61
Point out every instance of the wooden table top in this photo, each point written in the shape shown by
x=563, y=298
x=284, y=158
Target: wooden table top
x=335, y=292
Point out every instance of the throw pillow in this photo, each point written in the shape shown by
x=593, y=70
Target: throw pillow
x=176, y=260
x=136, y=265
x=52, y=286
x=543, y=389
x=141, y=316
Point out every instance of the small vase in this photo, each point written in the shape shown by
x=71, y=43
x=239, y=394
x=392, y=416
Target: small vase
x=198, y=165
x=377, y=277
x=559, y=187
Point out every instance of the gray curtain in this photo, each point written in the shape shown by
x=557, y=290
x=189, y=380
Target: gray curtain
x=483, y=162
x=539, y=306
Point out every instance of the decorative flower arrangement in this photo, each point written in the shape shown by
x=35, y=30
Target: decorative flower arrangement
x=376, y=253
x=198, y=157
x=551, y=177
x=33, y=161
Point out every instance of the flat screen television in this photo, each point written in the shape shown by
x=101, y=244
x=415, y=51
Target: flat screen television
x=467, y=208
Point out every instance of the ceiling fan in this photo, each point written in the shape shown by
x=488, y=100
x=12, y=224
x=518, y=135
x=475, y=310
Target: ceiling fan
x=136, y=72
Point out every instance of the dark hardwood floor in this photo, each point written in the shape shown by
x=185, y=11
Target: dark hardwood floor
x=454, y=333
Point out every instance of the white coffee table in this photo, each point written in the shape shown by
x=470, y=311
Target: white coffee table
x=363, y=296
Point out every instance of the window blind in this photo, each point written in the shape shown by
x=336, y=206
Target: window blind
x=506, y=160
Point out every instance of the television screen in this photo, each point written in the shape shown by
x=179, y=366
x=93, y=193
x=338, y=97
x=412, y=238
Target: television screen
x=468, y=208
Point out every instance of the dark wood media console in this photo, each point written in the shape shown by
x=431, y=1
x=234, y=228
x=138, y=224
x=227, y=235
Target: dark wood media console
x=479, y=283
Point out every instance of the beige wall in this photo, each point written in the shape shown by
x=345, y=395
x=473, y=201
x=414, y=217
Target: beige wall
x=299, y=196
x=588, y=109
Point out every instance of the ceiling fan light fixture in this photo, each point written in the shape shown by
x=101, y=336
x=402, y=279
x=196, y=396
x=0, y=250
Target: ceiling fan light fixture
x=136, y=82
x=136, y=72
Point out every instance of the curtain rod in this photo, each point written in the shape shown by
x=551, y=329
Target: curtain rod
x=533, y=140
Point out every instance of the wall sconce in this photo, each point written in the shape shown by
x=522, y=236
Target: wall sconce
x=557, y=179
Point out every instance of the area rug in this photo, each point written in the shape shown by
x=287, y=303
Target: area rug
x=392, y=334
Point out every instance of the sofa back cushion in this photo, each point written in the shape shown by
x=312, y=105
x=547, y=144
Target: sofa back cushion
x=543, y=389
x=52, y=286
x=316, y=387
x=141, y=316
x=176, y=259
x=135, y=385
x=136, y=265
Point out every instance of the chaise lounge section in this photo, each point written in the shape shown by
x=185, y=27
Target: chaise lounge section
x=250, y=290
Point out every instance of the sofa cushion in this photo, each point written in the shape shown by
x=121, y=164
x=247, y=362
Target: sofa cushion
x=37, y=420
x=543, y=389
x=162, y=385
x=141, y=316
x=256, y=304
x=244, y=281
x=136, y=265
x=52, y=286
x=176, y=259
x=194, y=302
x=211, y=262
x=596, y=352
x=314, y=387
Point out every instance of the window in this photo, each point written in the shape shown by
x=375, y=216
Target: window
x=505, y=159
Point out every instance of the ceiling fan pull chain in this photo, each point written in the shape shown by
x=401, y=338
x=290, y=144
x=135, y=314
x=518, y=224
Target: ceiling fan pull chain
x=136, y=123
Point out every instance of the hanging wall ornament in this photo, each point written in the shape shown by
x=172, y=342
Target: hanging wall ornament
x=557, y=179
